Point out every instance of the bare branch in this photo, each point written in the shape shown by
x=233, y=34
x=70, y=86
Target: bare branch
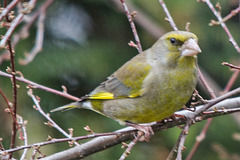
x=231, y=81
x=205, y=84
x=23, y=124
x=229, y=16
x=8, y=8
x=40, y=32
x=143, y=20
x=128, y=133
x=16, y=22
x=130, y=146
x=39, y=42
x=47, y=116
x=231, y=39
x=231, y=65
x=24, y=32
x=134, y=30
x=53, y=141
x=169, y=17
x=199, y=139
x=182, y=139
x=38, y=86
x=102, y=143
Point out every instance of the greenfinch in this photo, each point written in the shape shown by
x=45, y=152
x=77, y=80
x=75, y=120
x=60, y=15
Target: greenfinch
x=151, y=86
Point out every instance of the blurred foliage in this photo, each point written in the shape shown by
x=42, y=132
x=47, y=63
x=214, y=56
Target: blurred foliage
x=81, y=63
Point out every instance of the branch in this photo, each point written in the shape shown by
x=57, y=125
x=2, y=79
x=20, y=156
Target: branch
x=229, y=16
x=38, y=86
x=54, y=140
x=169, y=17
x=113, y=138
x=16, y=22
x=231, y=39
x=101, y=143
x=24, y=32
x=143, y=20
x=130, y=19
x=40, y=34
x=23, y=124
x=231, y=65
x=130, y=146
x=47, y=116
x=8, y=8
x=39, y=42
x=199, y=139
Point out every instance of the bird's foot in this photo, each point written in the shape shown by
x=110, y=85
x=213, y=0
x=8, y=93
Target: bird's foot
x=145, y=131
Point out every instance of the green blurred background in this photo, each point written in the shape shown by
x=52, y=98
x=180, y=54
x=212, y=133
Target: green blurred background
x=85, y=41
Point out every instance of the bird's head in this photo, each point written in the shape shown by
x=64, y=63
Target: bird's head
x=176, y=45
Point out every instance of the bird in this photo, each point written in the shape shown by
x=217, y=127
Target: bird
x=149, y=87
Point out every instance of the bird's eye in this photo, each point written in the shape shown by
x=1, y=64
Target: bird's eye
x=173, y=41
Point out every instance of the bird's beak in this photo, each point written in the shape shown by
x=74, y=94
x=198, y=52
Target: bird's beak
x=190, y=48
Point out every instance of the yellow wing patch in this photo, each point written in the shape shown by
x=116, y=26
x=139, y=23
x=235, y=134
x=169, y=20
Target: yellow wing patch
x=107, y=95
x=102, y=95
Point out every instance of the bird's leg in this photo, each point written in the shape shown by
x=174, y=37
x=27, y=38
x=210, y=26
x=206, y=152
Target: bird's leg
x=147, y=130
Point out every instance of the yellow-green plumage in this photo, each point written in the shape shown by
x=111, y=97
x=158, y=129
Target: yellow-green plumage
x=152, y=85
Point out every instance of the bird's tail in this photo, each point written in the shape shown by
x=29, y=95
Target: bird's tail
x=68, y=107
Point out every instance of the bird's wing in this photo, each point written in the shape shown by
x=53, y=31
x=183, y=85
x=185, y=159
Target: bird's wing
x=125, y=83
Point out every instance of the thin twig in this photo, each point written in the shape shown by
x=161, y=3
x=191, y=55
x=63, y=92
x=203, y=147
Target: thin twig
x=39, y=42
x=24, y=32
x=16, y=22
x=40, y=34
x=233, y=78
x=134, y=30
x=229, y=16
x=231, y=81
x=199, y=139
x=205, y=84
x=23, y=124
x=217, y=100
x=14, y=87
x=171, y=153
x=169, y=17
x=59, y=140
x=182, y=139
x=231, y=65
x=9, y=32
x=47, y=116
x=7, y=102
x=143, y=20
x=231, y=39
x=8, y=8
x=130, y=146
x=38, y=86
